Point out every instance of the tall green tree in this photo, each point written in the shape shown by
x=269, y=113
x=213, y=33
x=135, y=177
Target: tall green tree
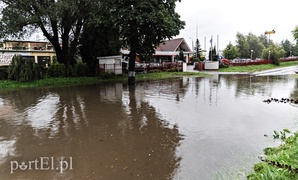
x=143, y=25
x=230, y=52
x=255, y=45
x=265, y=40
x=295, y=33
x=198, y=50
x=242, y=45
x=288, y=47
x=99, y=38
x=61, y=22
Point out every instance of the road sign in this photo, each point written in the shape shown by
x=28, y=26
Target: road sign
x=270, y=32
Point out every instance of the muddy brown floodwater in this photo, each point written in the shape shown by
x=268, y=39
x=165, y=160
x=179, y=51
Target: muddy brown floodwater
x=187, y=128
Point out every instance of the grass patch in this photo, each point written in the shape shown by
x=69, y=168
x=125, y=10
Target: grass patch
x=166, y=75
x=10, y=85
x=255, y=68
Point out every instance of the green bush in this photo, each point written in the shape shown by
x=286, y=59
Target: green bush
x=57, y=70
x=23, y=69
x=108, y=75
x=196, y=59
x=3, y=72
x=80, y=69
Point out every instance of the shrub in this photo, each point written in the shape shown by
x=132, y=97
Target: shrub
x=81, y=69
x=3, y=72
x=108, y=75
x=57, y=70
x=196, y=59
x=23, y=69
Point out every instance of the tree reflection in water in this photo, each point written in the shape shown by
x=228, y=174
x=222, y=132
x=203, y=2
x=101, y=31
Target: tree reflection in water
x=106, y=136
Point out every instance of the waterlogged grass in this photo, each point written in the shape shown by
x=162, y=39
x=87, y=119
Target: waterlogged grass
x=166, y=75
x=255, y=68
x=280, y=162
x=9, y=85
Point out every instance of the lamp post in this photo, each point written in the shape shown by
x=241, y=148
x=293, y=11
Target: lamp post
x=269, y=55
x=191, y=44
x=251, y=51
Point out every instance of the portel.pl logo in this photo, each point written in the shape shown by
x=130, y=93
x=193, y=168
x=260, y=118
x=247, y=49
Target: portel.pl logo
x=60, y=164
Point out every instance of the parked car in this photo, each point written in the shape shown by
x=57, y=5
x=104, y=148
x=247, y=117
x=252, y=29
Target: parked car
x=139, y=67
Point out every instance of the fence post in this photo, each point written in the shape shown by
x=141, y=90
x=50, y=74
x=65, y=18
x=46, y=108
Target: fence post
x=114, y=68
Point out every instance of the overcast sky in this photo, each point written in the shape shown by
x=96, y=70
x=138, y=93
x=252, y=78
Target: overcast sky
x=227, y=17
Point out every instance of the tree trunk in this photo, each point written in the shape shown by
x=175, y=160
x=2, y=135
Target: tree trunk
x=132, y=62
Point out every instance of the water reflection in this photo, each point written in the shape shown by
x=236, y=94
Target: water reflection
x=92, y=125
x=188, y=128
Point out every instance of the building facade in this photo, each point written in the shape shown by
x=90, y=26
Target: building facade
x=41, y=52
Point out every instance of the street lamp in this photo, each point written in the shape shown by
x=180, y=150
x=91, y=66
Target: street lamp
x=191, y=44
x=269, y=55
x=251, y=51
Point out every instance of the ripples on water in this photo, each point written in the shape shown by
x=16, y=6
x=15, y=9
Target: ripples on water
x=188, y=128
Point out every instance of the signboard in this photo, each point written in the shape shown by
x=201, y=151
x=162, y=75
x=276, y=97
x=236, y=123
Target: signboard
x=270, y=32
x=5, y=59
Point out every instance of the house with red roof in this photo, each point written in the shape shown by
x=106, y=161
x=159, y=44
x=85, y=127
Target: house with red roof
x=169, y=50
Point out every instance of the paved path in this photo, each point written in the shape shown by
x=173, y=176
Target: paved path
x=278, y=71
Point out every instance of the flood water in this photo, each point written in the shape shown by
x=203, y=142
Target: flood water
x=186, y=128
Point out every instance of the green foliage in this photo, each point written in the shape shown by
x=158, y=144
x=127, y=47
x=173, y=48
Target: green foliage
x=195, y=59
x=181, y=56
x=23, y=69
x=99, y=38
x=230, y=52
x=223, y=65
x=280, y=162
x=143, y=24
x=250, y=45
x=57, y=70
x=242, y=46
x=288, y=47
x=273, y=53
x=81, y=69
x=64, y=17
x=254, y=44
x=280, y=135
x=108, y=75
x=3, y=72
x=254, y=68
x=295, y=33
x=198, y=50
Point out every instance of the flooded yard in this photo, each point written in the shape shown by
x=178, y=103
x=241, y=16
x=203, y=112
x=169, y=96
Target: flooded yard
x=188, y=128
